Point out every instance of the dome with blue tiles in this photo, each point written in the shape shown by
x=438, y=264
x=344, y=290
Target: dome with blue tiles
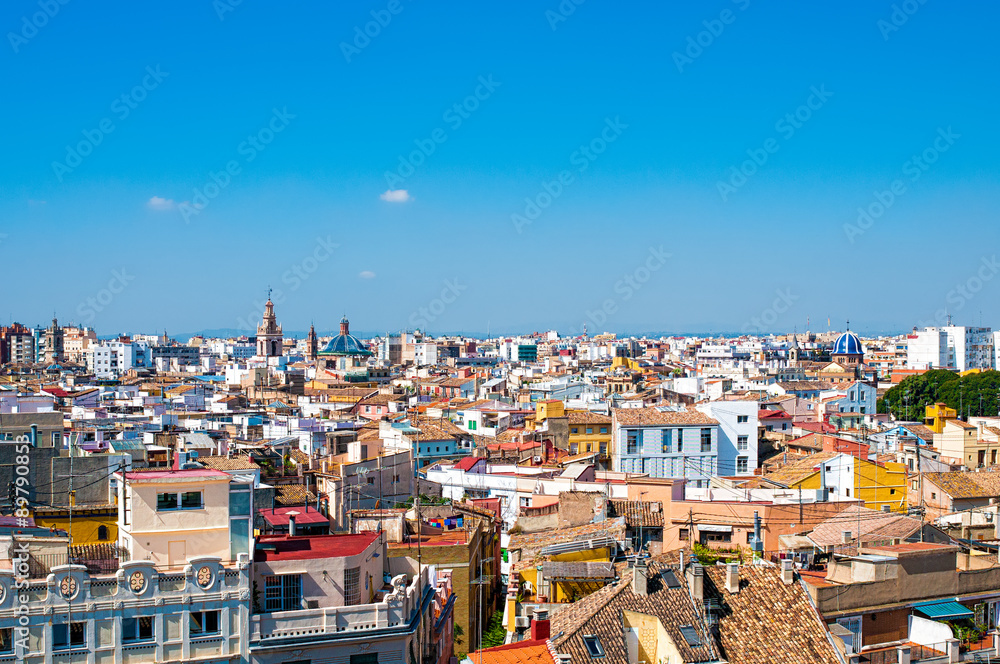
x=346, y=343
x=848, y=344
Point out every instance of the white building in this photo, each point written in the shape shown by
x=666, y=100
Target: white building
x=737, y=435
x=951, y=347
x=111, y=359
x=139, y=613
x=425, y=354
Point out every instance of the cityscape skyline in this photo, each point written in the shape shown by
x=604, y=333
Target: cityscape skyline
x=681, y=166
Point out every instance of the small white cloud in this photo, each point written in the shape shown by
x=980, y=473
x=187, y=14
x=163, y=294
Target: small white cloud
x=33, y=202
x=159, y=203
x=366, y=274
x=396, y=196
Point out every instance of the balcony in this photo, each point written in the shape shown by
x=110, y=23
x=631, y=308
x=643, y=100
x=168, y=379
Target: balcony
x=394, y=610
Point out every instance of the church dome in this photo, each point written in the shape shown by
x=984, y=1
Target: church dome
x=848, y=344
x=346, y=343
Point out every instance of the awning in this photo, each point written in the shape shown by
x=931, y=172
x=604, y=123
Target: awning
x=947, y=610
x=709, y=528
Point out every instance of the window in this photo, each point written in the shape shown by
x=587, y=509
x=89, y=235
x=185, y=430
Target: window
x=594, y=647
x=741, y=442
x=239, y=501
x=604, y=449
x=741, y=465
x=740, y=419
x=365, y=658
x=667, y=443
x=352, y=586
x=69, y=635
x=166, y=501
x=283, y=592
x=716, y=537
x=204, y=622
x=590, y=447
x=574, y=430
x=706, y=440
x=913, y=485
x=56, y=439
x=7, y=640
x=604, y=429
x=574, y=448
x=137, y=629
x=933, y=495
x=632, y=443
x=848, y=492
x=102, y=533
x=683, y=534
x=590, y=430
x=690, y=635
x=784, y=425
x=191, y=500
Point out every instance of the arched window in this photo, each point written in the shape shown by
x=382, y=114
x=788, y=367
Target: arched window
x=102, y=533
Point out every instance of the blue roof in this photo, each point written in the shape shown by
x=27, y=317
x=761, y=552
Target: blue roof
x=345, y=344
x=946, y=610
x=848, y=344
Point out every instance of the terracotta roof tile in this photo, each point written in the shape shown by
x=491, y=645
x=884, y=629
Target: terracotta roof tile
x=767, y=622
x=655, y=416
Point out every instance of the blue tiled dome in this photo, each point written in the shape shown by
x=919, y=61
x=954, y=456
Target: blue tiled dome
x=848, y=344
x=345, y=343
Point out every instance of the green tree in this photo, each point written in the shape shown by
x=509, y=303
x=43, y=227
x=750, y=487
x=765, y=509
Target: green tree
x=974, y=394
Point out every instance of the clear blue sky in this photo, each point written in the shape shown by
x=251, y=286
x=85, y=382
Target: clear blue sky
x=678, y=124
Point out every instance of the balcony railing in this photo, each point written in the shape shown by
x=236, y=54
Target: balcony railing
x=395, y=610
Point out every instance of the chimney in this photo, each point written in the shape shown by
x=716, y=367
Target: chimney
x=563, y=659
x=733, y=578
x=787, y=573
x=540, y=625
x=291, y=523
x=696, y=582
x=846, y=535
x=640, y=578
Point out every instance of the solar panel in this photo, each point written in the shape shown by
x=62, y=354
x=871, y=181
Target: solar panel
x=690, y=635
x=670, y=579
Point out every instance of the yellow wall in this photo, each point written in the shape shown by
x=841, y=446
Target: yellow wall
x=879, y=486
x=655, y=645
x=85, y=526
x=937, y=414
x=550, y=408
x=582, y=438
x=875, y=485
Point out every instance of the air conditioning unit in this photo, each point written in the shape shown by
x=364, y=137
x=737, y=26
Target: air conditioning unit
x=522, y=622
x=887, y=508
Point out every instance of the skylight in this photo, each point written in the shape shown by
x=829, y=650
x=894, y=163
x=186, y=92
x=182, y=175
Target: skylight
x=690, y=635
x=670, y=579
x=594, y=646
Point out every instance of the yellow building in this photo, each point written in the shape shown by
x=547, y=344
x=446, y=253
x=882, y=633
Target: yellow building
x=90, y=524
x=589, y=432
x=877, y=485
x=549, y=408
x=935, y=416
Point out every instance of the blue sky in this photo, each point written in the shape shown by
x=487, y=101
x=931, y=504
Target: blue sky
x=626, y=127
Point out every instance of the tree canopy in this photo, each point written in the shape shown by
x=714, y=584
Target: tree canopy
x=974, y=394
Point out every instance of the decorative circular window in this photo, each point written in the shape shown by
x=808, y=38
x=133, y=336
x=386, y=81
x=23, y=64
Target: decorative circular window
x=137, y=582
x=68, y=587
x=205, y=576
